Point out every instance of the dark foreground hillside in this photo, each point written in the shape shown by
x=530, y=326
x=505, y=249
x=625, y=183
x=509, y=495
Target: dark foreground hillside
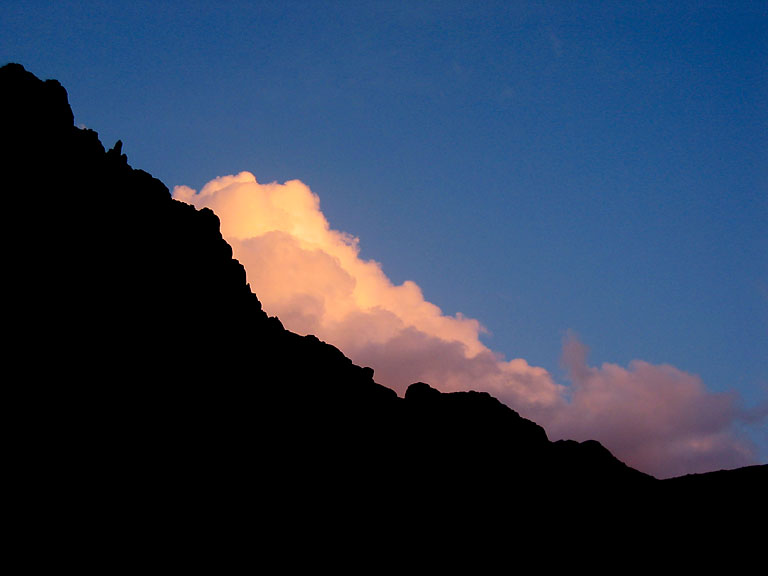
x=154, y=402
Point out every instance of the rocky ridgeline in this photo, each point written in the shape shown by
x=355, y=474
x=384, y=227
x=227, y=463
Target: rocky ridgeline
x=150, y=387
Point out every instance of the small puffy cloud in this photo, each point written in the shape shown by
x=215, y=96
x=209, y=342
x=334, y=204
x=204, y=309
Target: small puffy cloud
x=660, y=419
x=656, y=418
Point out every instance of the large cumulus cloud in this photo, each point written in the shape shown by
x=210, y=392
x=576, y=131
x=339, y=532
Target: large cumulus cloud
x=656, y=418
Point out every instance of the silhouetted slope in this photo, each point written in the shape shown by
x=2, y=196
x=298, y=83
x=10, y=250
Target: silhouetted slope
x=150, y=389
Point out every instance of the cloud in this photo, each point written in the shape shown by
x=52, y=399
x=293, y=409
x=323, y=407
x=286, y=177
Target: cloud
x=313, y=279
x=286, y=244
x=660, y=419
x=656, y=418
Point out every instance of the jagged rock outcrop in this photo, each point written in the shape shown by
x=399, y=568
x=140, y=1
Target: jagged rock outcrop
x=147, y=382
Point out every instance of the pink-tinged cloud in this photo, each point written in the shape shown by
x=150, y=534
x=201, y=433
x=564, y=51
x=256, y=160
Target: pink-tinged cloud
x=656, y=418
x=660, y=419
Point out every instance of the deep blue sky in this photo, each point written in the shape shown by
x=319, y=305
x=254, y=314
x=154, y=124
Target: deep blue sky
x=599, y=167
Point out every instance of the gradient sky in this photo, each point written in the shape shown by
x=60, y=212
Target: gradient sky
x=542, y=167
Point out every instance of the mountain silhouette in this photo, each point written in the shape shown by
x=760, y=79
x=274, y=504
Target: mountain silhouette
x=153, y=401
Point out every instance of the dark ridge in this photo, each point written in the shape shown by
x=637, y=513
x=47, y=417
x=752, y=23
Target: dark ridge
x=155, y=406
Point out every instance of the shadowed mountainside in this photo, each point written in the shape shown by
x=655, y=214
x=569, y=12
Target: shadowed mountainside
x=113, y=289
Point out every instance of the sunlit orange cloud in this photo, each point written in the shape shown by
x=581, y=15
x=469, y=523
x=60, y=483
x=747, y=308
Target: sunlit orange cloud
x=313, y=278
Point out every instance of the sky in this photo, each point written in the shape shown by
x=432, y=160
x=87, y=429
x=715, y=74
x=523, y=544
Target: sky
x=562, y=203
